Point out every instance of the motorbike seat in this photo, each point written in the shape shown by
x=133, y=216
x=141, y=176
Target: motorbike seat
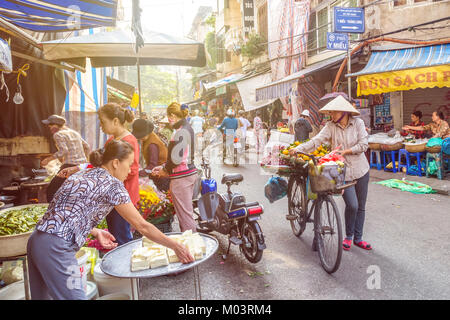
x=232, y=178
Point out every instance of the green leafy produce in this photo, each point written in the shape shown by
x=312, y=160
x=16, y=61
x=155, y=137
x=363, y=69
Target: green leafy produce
x=20, y=220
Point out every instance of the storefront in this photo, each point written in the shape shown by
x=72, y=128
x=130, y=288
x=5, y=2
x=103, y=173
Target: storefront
x=407, y=80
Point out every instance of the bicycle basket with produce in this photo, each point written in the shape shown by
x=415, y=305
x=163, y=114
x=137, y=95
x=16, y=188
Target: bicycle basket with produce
x=327, y=173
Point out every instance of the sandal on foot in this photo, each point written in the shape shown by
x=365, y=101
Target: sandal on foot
x=363, y=244
x=346, y=244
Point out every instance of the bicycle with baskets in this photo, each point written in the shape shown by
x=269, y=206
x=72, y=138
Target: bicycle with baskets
x=326, y=219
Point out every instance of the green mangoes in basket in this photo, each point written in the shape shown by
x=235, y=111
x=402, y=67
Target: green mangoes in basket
x=20, y=220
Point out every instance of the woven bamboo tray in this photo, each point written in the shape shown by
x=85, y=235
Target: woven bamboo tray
x=415, y=148
x=375, y=146
x=435, y=149
x=392, y=147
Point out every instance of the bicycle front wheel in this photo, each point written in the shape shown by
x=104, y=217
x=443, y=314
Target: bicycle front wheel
x=328, y=233
x=297, y=205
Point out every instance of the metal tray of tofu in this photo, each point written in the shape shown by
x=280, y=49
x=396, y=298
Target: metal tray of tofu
x=117, y=262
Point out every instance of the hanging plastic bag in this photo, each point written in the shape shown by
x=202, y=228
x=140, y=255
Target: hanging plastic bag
x=275, y=189
x=5, y=57
x=432, y=168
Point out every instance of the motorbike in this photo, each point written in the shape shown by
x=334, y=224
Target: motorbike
x=236, y=150
x=229, y=214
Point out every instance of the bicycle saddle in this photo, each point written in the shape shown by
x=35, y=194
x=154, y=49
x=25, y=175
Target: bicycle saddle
x=232, y=178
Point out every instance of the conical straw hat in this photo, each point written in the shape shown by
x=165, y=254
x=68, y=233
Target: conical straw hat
x=339, y=104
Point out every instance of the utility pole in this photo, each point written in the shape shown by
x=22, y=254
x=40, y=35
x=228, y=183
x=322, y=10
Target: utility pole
x=349, y=69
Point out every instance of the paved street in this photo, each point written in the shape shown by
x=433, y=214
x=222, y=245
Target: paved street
x=409, y=234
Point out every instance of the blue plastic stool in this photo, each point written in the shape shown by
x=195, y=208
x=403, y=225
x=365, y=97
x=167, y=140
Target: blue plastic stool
x=404, y=152
x=392, y=155
x=437, y=157
x=376, y=163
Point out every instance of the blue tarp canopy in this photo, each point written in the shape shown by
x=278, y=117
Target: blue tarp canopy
x=59, y=15
x=403, y=59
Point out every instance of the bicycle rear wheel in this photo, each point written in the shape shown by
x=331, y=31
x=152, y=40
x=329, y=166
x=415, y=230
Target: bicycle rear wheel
x=297, y=204
x=328, y=233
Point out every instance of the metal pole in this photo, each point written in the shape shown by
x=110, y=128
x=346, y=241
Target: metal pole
x=349, y=69
x=139, y=86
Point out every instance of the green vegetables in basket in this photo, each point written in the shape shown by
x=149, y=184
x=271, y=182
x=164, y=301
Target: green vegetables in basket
x=20, y=220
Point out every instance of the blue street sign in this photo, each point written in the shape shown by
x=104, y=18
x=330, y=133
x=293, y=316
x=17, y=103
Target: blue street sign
x=337, y=41
x=349, y=20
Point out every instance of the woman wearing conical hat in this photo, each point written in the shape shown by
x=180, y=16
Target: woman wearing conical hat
x=348, y=133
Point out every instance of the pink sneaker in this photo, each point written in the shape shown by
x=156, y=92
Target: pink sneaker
x=346, y=244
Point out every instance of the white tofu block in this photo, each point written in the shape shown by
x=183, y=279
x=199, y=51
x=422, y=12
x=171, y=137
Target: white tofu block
x=159, y=260
x=200, y=242
x=172, y=256
x=187, y=233
x=139, y=264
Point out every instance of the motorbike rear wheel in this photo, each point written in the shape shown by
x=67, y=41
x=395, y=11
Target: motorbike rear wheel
x=249, y=248
x=235, y=158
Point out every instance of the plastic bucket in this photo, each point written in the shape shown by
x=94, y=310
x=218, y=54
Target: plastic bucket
x=91, y=290
x=13, y=291
x=108, y=285
x=82, y=257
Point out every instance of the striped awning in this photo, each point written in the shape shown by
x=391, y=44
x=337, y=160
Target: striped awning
x=59, y=15
x=403, y=59
x=405, y=69
x=283, y=87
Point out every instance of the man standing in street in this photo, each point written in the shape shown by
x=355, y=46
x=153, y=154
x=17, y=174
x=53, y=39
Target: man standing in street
x=72, y=150
x=229, y=126
x=259, y=132
x=244, y=125
x=197, y=124
x=302, y=127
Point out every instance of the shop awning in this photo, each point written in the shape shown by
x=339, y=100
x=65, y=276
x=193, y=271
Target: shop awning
x=119, y=85
x=59, y=15
x=281, y=88
x=247, y=91
x=224, y=81
x=405, y=69
x=116, y=48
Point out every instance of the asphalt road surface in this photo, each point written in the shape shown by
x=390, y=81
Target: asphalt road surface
x=410, y=260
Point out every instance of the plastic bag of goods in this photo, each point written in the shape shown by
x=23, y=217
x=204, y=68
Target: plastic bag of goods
x=5, y=57
x=12, y=271
x=271, y=155
x=275, y=189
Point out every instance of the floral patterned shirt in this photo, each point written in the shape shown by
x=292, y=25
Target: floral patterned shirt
x=441, y=130
x=82, y=201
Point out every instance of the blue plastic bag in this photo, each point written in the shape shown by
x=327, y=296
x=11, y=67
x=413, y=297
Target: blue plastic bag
x=446, y=146
x=275, y=189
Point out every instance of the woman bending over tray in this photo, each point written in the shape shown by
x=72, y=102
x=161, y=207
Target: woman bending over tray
x=78, y=206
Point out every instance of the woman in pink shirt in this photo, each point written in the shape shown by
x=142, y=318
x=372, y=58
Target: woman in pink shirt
x=112, y=121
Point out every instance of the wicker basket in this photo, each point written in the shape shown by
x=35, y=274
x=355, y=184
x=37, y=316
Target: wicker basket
x=375, y=146
x=415, y=148
x=392, y=147
x=435, y=149
x=322, y=183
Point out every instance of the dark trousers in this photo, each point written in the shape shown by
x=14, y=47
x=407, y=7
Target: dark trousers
x=355, y=208
x=119, y=227
x=56, y=183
